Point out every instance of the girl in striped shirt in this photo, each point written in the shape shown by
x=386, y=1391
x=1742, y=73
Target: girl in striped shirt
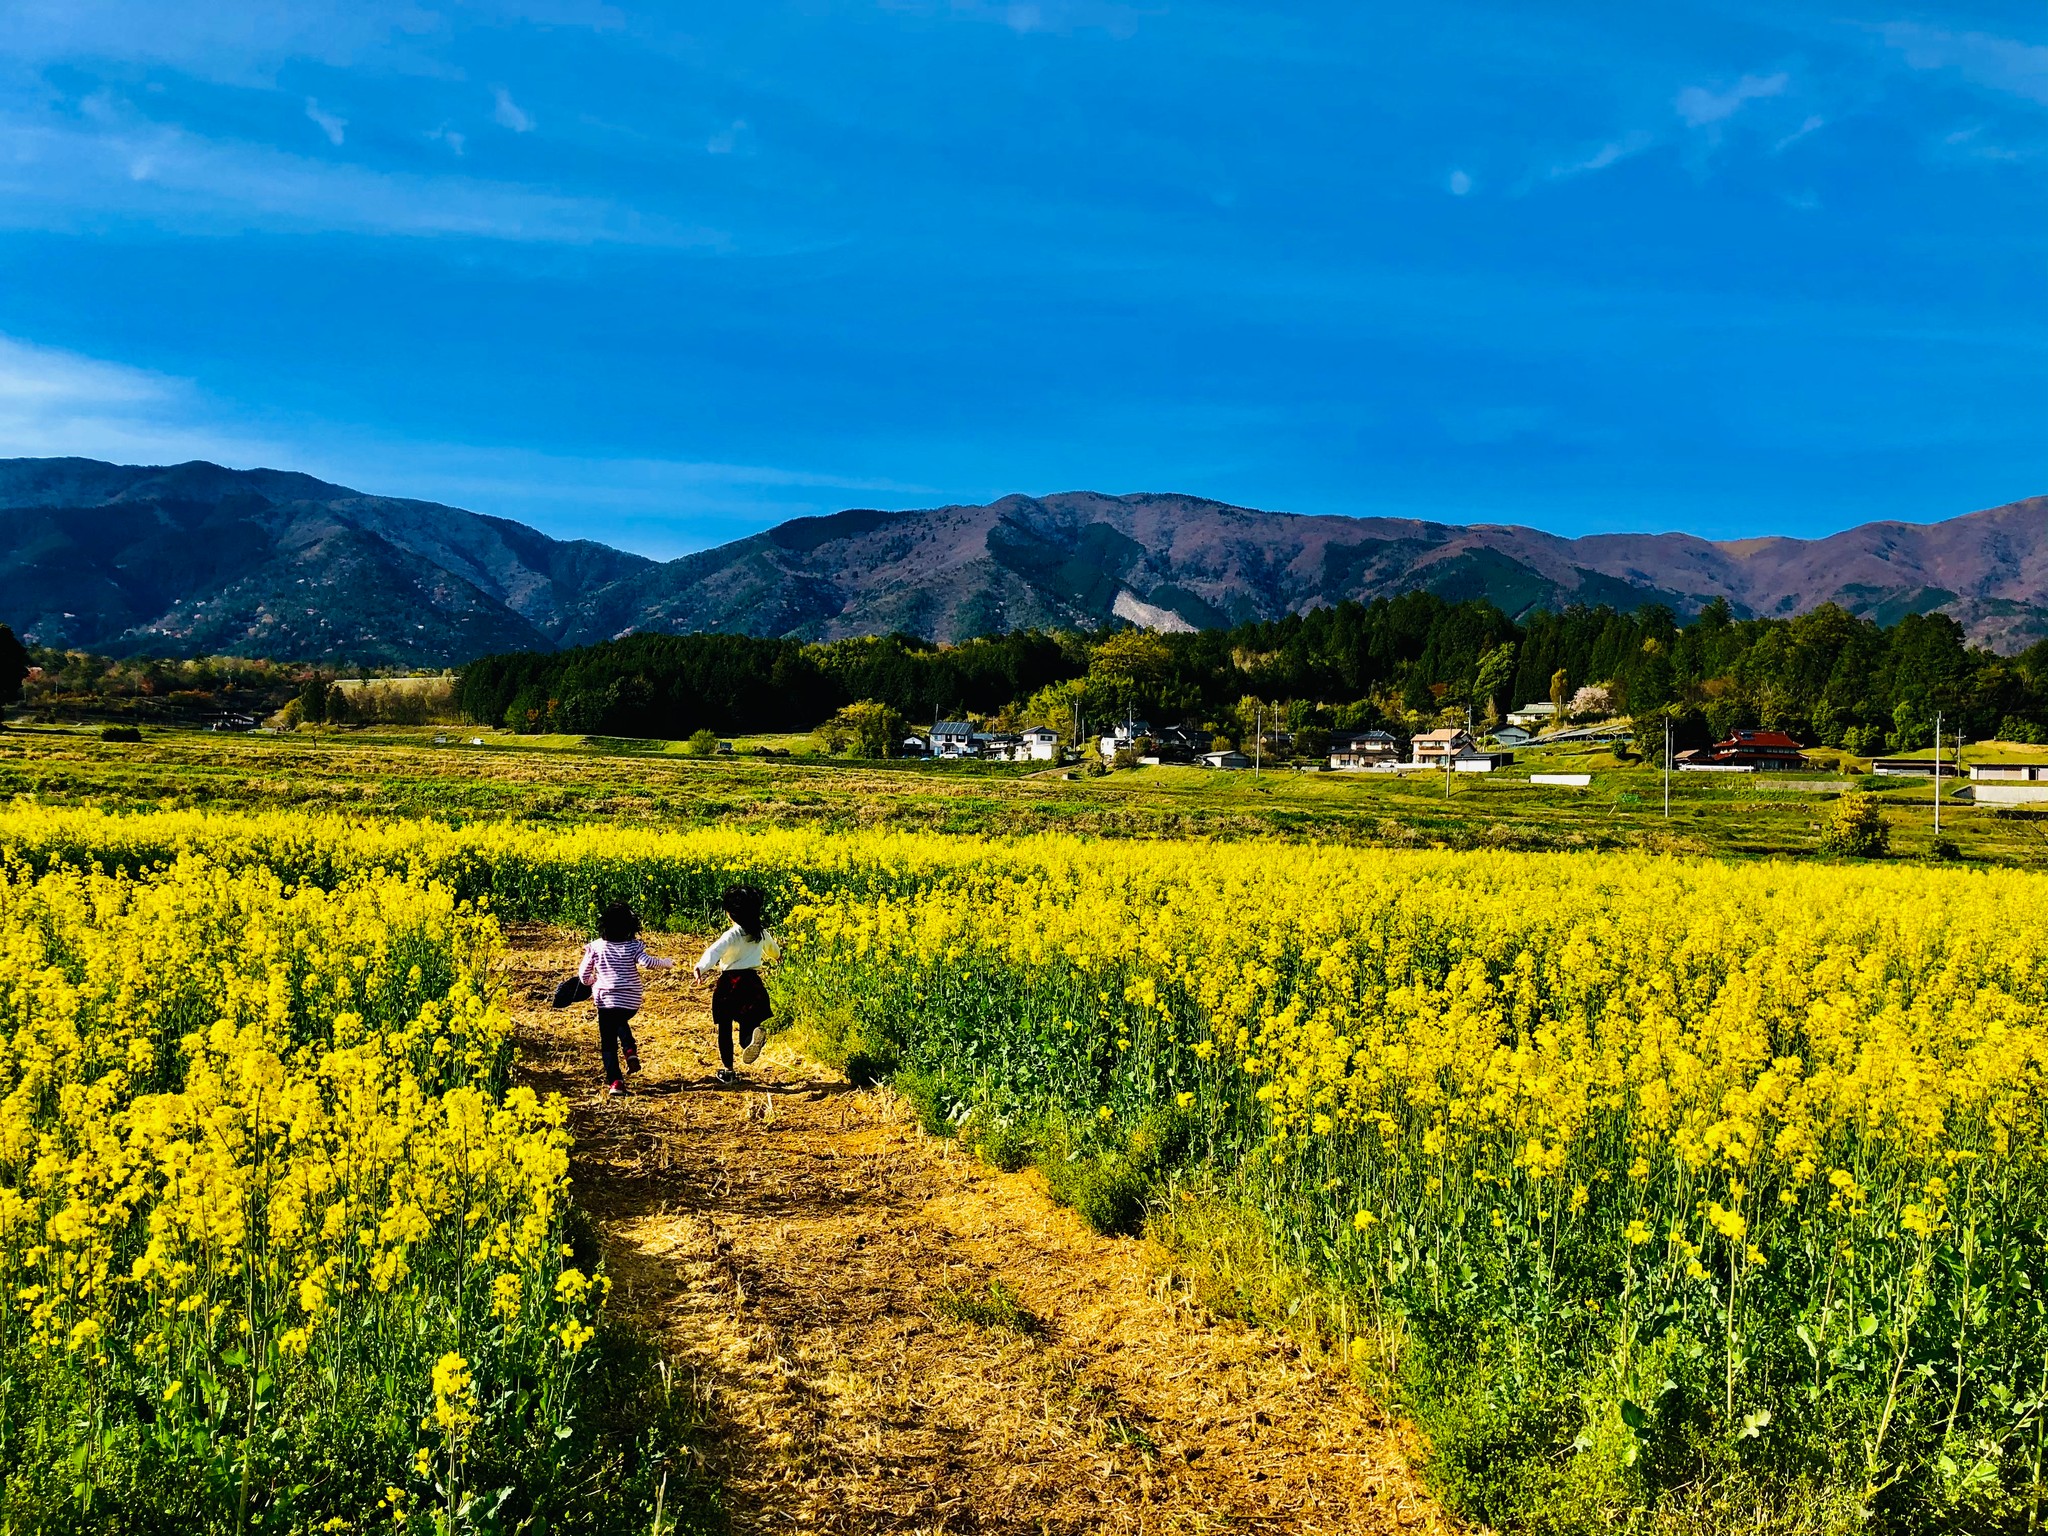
x=611, y=969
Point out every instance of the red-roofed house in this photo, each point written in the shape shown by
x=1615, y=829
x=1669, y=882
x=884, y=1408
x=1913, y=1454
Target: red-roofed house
x=1769, y=750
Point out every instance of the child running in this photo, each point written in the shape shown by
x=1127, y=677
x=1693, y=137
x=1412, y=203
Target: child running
x=611, y=969
x=738, y=996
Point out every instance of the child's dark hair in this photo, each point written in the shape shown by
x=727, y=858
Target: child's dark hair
x=743, y=904
x=618, y=923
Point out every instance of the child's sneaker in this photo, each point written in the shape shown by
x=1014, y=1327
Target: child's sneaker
x=632, y=1062
x=617, y=1089
x=727, y=1075
x=752, y=1053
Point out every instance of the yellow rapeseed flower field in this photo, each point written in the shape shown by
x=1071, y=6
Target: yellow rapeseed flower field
x=1671, y=1186
x=259, y=1171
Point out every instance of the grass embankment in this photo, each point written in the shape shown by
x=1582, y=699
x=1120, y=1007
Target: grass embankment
x=406, y=775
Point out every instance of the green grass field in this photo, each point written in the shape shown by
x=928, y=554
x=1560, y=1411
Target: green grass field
x=567, y=779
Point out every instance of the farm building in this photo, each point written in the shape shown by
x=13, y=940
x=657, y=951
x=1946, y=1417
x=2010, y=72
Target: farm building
x=2008, y=783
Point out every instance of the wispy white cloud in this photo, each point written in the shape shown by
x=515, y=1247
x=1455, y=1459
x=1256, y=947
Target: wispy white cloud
x=1061, y=17
x=1698, y=106
x=446, y=135
x=50, y=172
x=1459, y=184
x=509, y=114
x=1813, y=124
x=1972, y=143
x=1996, y=63
x=1612, y=153
x=55, y=403
x=729, y=139
x=334, y=127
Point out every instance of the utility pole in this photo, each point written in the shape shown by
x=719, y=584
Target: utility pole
x=1937, y=773
x=1258, y=737
x=1667, y=767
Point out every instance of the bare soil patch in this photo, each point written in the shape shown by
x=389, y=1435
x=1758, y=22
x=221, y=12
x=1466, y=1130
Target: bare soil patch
x=827, y=1272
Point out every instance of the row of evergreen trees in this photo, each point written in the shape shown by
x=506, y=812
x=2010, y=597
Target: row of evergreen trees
x=1827, y=677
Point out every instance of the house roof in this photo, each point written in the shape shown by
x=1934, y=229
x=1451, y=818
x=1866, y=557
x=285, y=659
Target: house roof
x=953, y=728
x=1039, y=730
x=1449, y=733
x=1750, y=741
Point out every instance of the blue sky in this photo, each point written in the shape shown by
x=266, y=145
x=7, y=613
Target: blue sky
x=663, y=276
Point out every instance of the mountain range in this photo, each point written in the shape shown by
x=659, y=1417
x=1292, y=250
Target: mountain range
x=194, y=559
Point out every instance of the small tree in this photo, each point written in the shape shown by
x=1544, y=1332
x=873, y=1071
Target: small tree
x=1857, y=828
x=702, y=744
x=863, y=729
x=1593, y=700
x=313, y=701
x=1560, y=687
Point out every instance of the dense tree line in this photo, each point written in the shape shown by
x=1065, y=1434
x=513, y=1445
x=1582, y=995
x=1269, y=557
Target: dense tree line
x=675, y=685
x=1826, y=677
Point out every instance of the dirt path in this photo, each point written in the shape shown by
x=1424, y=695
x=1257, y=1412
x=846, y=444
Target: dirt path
x=787, y=1240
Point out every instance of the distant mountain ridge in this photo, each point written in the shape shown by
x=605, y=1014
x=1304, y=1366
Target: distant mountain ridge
x=195, y=559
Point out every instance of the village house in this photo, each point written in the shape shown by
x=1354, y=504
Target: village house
x=953, y=738
x=1513, y=736
x=1434, y=746
x=1474, y=761
x=1364, y=749
x=1125, y=734
x=1534, y=717
x=1745, y=752
x=1040, y=744
x=1230, y=759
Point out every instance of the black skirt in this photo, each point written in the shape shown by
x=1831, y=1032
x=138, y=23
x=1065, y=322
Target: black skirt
x=739, y=998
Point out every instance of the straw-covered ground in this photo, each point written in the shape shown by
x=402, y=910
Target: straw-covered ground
x=889, y=1336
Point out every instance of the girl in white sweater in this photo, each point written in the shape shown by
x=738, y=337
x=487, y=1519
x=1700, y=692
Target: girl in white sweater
x=738, y=997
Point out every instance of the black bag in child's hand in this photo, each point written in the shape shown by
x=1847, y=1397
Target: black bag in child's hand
x=572, y=989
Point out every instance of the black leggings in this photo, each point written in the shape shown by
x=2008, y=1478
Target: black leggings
x=725, y=1039
x=614, y=1029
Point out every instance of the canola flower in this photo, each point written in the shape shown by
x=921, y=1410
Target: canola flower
x=259, y=1171
x=1665, y=1174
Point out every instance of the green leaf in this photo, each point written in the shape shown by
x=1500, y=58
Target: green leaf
x=1634, y=1416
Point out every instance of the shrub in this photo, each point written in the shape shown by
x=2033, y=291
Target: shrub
x=1104, y=1190
x=120, y=733
x=1006, y=1145
x=997, y=1307
x=702, y=744
x=932, y=1098
x=1857, y=829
